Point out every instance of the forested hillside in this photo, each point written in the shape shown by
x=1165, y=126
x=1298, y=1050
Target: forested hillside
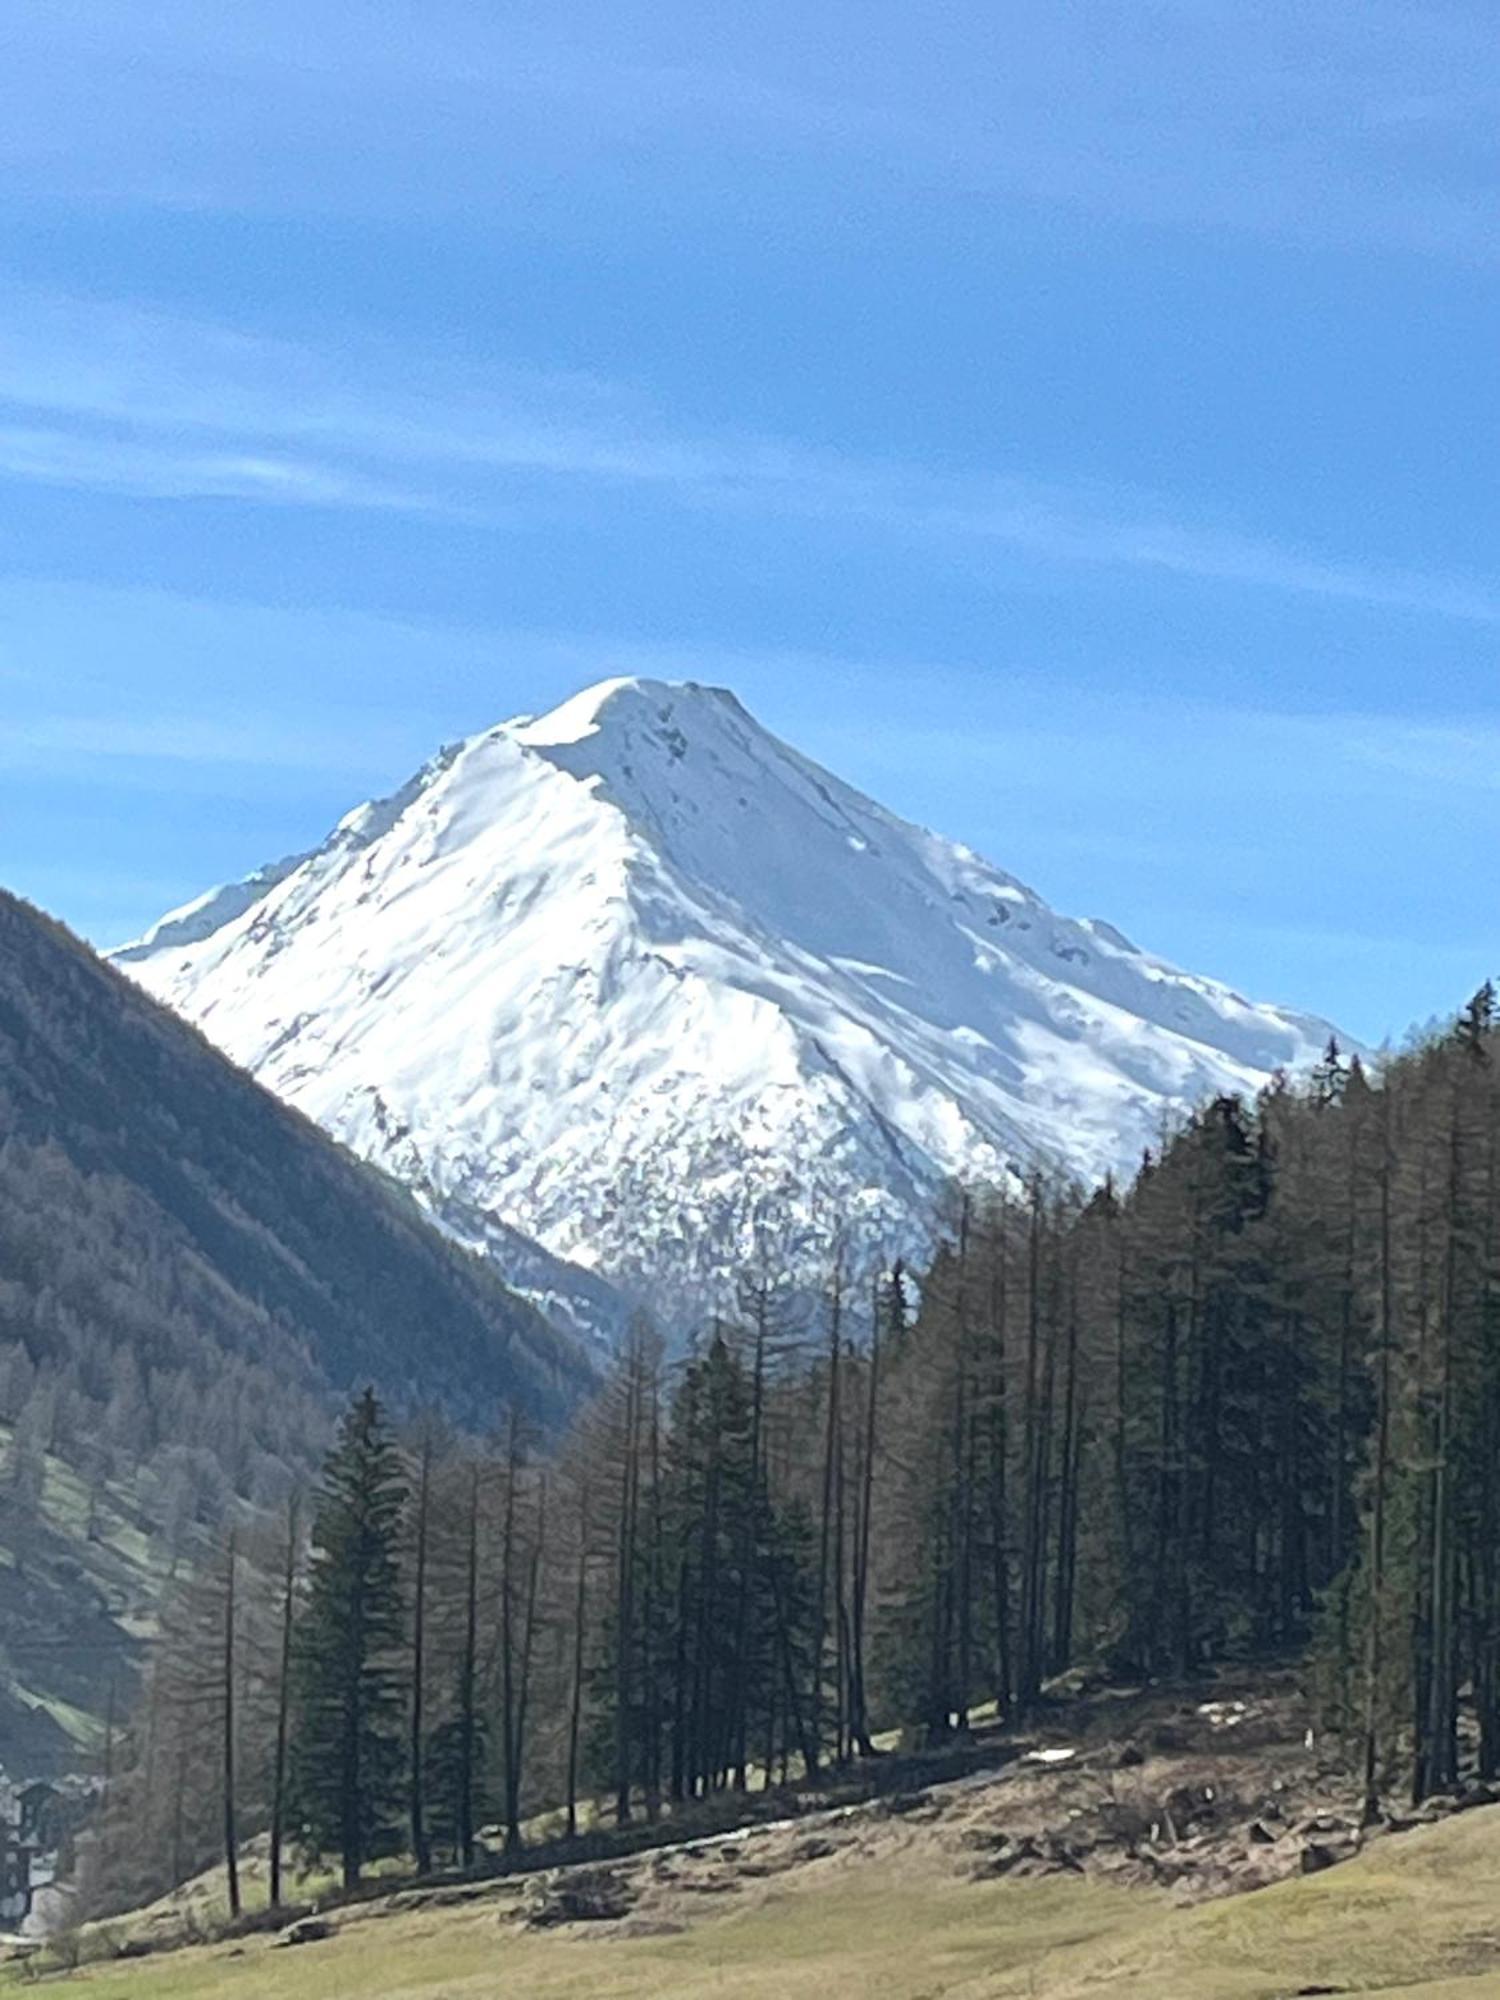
x=1247, y=1408
x=190, y=1277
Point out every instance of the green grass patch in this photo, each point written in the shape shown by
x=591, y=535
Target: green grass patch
x=1415, y=1918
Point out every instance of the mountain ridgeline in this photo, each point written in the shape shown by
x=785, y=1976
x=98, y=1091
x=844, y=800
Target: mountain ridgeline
x=191, y=1277
x=1246, y=1408
x=645, y=984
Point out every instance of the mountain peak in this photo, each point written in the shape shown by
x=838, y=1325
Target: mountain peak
x=641, y=981
x=623, y=702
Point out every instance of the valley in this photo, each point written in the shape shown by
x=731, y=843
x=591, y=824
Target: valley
x=749, y=1036
x=1121, y=1554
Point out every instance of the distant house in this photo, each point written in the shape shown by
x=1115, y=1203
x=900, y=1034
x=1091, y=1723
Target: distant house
x=39, y=1824
x=41, y=1820
x=51, y=1816
x=15, y=1879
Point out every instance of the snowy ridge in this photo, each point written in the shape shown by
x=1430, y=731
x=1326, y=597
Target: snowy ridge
x=639, y=981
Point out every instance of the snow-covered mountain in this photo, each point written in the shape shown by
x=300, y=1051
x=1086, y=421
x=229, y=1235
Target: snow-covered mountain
x=637, y=980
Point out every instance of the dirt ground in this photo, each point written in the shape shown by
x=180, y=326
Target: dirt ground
x=1201, y=1796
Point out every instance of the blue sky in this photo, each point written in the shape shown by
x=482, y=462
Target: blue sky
x=1076, y=423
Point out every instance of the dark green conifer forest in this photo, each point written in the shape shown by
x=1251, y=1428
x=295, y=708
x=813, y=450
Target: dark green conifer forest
x=1247, y=1407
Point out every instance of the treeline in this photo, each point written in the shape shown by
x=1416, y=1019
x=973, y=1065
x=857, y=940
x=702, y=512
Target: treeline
x=1250, y=1405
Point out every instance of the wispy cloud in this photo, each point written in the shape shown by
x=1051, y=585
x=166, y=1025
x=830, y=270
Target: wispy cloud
x=118, y=399
x=1438, y=757
x=1306, y=119
x=171, y=471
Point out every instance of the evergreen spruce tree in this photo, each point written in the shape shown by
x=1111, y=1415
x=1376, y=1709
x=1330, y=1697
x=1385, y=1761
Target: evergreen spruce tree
x=1330, y=1076
x=348, y=1701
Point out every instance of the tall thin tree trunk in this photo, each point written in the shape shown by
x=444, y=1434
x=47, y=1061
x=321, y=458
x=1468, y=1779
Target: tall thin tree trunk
x=1380, y=1476
x=654, y=1604
x=681, y=1757
x=1029, y=1675
x=859, y=1706
x=509, y=1710
x=1442, y=1711
x=468, y=1675
x=283, y=1699
x=1486, y=1595
x=1121, y=1434
x=516, y=1763
x=962, y=1509
x=1167, y=1479
x=416, y=1748
x=625, y=1589
x=575, y=1687
x=825, y=1530
x=701, y=1733
x=231, y=1813
x=842, y=1738
x=1067, y=1523
x=999, y=1446
x=1338, y=1497
x=806, y=1740
x=108, y=1764
x=178, y=1868
x=750, y=1544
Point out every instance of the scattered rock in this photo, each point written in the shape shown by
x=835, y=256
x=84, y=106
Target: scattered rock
x=307, y=1930
x=1320, y=1854
x=1008, y=1853
x=471, y=1892
x=1130, y=1756
x=1404, y=1822
x=1059, y=1862
x=1476, y=1794
x=814, y=1849
x=898, y=1803
x=1187, y=1806
x=581, y=1896
x=1320, y=1823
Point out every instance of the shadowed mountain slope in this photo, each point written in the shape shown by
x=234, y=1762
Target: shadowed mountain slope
x=191, y=1277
